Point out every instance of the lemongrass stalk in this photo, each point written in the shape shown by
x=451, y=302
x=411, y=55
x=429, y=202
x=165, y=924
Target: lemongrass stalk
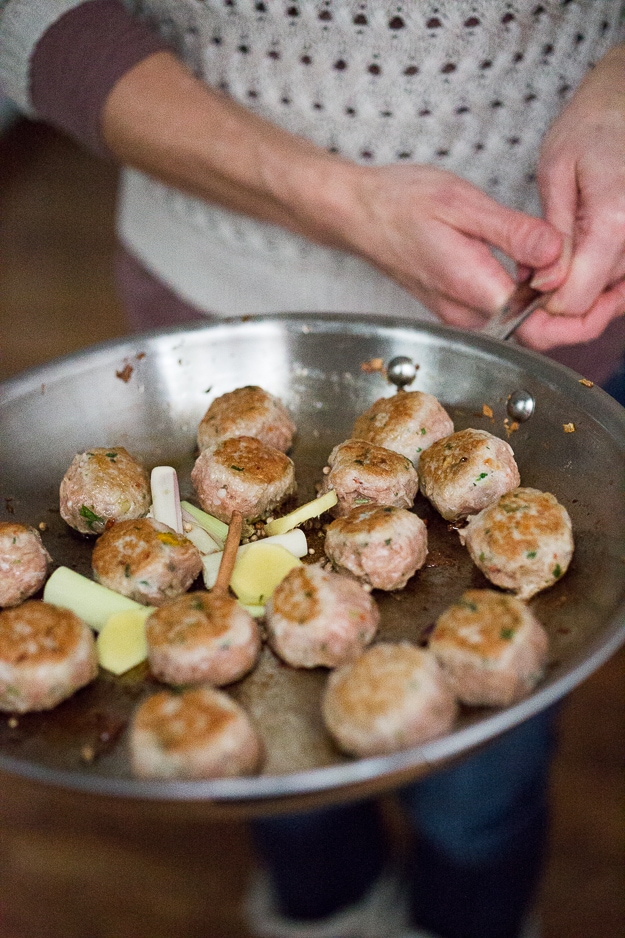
x=214, y=526
x=90, y=601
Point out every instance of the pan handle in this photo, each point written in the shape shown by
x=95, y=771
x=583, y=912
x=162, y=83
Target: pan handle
x=523, y=301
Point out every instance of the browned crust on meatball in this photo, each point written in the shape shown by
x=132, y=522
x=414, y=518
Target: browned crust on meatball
x=491, y=647
x=104, y=484
x=382, y=546
x=392, y=697
x=247, y=411
x=364, y=473
x=146, y=561
x=46, y=654
x=318, y=618
x=245, y=474
x=23, y=562
x=408, y=423
x=200, y=733
x=463, y=473
x=523, y=542
x=202, y=637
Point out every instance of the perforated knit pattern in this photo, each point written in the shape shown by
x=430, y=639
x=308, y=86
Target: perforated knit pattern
x=469, y=86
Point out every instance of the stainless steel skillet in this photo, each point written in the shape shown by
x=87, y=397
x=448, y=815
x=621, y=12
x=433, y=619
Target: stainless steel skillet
x=149, y=393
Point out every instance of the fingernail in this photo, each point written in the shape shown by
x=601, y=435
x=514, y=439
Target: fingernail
x=542, y=279
x=554, y=275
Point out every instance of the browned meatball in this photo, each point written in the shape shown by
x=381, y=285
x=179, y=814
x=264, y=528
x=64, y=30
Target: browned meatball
x=523, y=542
x=104, y=484
x=23, y=562
x=491, y=647
x=408, y=422
x=242, y=474
x=146, y=561
x=316, y=617
x=465, y=472
x=202, y=637
x=362, y=473
x=381, y=546
x=46, y=654
x=392, y=697
x=248, y=411
x=201, y=733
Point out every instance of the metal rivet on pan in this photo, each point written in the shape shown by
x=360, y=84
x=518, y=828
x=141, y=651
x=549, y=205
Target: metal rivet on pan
x=401, y=371
x=521, y=406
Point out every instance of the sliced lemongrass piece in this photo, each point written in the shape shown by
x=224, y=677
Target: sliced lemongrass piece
x=310, y=510
x=91, y=602
x=121, y=643
x=214, y=526
x=198, y=535
x=166, y=497
x=294, y=541
x=259, y=570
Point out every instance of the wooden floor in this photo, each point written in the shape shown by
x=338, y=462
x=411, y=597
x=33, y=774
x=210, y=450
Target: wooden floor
x=81, y=867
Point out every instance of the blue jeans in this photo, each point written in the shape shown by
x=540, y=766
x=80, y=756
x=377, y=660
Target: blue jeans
x=479, y=839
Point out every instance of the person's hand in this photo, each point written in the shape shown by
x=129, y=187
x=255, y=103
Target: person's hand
x=581, y=176
x=432, y=232
x=425, y=228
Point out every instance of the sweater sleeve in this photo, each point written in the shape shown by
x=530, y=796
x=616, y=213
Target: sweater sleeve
x=64, y=56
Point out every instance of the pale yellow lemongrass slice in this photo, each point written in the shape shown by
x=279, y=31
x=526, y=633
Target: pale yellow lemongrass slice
x=216, y=528
x=199, y=535
x=310, y=510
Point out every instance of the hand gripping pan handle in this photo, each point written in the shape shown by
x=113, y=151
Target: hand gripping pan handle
x=523, y=301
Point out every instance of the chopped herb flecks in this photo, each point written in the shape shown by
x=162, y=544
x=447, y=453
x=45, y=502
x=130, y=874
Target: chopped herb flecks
x=237, y=468
x=530, y=554
x=506, y=634
x=557, y=571
x=467, y=604
x=90, y=516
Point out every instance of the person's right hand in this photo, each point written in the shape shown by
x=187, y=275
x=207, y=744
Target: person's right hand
x=432, y=232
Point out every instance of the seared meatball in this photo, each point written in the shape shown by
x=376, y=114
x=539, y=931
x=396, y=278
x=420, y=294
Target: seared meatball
x=23, y=562
x=381, y=546
x=316, y=617
x=392, y=697
x=245, y=474
x=523, y=542
x=465, y=472
x=362, y=473
x=104, y=484
x=408, y=422
x=248, y=411
x=202, y=637
x=46, y=654
x=491, y=647
x=146, y=561
x=200, y=733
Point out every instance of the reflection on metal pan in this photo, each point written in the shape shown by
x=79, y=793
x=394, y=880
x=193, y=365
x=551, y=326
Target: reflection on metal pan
x=149, y=393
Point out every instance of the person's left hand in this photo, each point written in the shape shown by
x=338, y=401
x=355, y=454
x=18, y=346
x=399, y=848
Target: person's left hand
x=581, y=177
